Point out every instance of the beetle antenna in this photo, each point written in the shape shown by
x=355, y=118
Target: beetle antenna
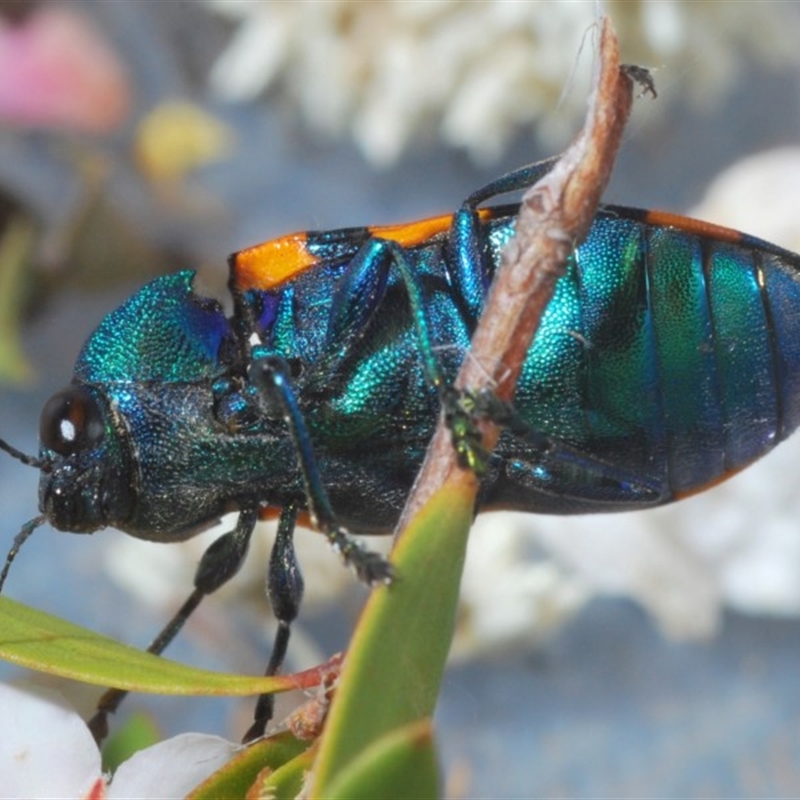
x=27, y=529
x=31, y=461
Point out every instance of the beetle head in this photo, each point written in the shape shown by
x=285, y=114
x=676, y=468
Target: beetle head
x=87, y=480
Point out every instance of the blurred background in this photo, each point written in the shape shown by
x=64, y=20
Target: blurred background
x=631, y=655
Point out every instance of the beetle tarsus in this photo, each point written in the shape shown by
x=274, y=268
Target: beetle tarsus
x=370, y=567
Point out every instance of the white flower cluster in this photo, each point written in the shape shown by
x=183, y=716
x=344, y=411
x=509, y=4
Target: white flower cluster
x=475, y=70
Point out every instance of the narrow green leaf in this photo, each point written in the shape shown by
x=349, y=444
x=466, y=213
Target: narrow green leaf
x=236, y=778
x=396, y=659
x=400, y=766
x=39, y=641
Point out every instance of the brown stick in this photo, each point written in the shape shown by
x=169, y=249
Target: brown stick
x=555, y=216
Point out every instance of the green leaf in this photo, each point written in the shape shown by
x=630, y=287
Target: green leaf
x=396, y=659
x=286, y=782
x=237, y=777
x=138, y=732
x=400, y=766
x=45, y=643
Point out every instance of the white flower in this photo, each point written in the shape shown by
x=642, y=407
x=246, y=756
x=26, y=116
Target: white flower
x=476, y=71
x=46, y=751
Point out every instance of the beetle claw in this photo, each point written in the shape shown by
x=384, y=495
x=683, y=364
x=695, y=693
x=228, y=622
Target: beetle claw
x=371, y=568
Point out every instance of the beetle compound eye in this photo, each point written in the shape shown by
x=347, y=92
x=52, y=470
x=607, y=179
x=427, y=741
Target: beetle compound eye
x=71, y=421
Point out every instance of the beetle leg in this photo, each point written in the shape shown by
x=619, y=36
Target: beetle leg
x=285, y=589
x=270, y=375
x=548, y=465
x=547, y=462
x=370, y=267
x=219, y=563
x=469, y=266
x=513, y=181
x=358, y=296
x=467, y=258
x=468, y=262
x=549, y=472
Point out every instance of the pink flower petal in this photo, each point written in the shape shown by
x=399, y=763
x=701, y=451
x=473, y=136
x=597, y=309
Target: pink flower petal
x=56, y=71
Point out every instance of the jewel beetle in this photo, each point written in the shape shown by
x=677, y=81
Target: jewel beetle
x=667, y=360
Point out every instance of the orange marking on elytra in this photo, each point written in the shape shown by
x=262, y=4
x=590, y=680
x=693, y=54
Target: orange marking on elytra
x=695, y=226
x=415, y=233
x=269, y=264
